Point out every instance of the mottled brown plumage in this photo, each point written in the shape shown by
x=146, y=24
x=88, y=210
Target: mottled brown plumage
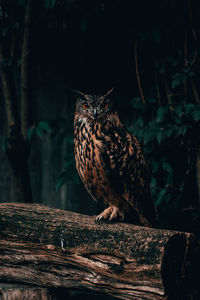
x=110, y=162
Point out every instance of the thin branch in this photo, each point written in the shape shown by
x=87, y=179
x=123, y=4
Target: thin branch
x=13, y=31
x=175, y=94
x=195, y=91
x=195, y=57
x=185, y=60
x=169, y=99
x=191, y=19
x=138, y=74
x=6, y=90
x=13, y=44
x=193, y=32
x=186, y=49
x=158, y=89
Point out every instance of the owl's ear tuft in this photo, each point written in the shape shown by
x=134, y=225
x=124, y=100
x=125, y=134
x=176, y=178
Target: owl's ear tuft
x=79, y=93
x=108, y=93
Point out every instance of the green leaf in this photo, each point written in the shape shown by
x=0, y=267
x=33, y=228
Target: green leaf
x=174, y=61
x=159, y=136
x=169, y=132
x=168, y=169
x=155, y=166
x=30, y=133
x=162, y=69
x=39, y=133
x=49, y=3
x=157, y=35
x=149, y=133
x=61, y=180
x=178, y=109
x=186, y=70
x=161, y=196
x=5, y=31
x=184, y=130
x=196, y=113
x=83, y=27
x=188, y=107
x=3, y=143
x=21, y=3
x=152, y=100
x=6, y=63
x=166, y=166
x=42, y=128
x=178, y=78
x=42, y=125
x=153, y=183
x=180, y=52
x=137, y=104
x=16, y=25
x=69, y=173
x=161, y=114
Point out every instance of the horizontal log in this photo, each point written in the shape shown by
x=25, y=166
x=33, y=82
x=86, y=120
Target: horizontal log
x=54, y=248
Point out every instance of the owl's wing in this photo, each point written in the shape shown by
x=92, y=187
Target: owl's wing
x=128, y=172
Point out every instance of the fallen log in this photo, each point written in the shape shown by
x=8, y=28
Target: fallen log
x=54, y=248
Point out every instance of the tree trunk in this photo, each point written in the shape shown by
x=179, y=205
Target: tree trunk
x=17, y=145
x=198, y=172
x=26, y=116
x=54, y=248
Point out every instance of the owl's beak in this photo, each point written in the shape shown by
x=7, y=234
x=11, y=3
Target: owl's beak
x=95, y=113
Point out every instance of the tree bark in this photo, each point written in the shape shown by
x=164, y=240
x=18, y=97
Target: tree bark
x=23, y=292
x=54, y=248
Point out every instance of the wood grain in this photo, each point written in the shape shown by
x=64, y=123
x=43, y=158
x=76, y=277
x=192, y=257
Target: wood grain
x=54, y=248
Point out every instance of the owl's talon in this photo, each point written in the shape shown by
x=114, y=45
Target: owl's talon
x=98, y=219
x=110, y=214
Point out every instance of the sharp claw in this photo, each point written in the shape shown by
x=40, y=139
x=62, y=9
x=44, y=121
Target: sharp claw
x=109, y=214
x=98, y=219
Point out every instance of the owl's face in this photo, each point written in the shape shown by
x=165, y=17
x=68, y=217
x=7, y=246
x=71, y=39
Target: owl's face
x=94, y=107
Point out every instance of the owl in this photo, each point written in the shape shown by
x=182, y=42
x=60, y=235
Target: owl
x=110, y=162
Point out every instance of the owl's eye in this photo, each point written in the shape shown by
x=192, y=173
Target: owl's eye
x=85, y=106
x=106, y=105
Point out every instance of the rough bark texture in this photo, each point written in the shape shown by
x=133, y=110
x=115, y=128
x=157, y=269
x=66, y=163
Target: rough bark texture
x=24, y=292
x=54, y=248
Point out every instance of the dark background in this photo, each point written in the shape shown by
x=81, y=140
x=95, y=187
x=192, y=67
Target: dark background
x=148, y=51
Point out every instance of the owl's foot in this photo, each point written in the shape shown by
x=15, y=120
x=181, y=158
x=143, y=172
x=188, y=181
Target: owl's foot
x=109, y=214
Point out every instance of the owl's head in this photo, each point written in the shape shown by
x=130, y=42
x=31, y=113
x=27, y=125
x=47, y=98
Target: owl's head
x=94, y=107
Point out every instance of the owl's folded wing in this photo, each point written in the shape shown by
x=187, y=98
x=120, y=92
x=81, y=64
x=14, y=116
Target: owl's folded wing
x=128, y=173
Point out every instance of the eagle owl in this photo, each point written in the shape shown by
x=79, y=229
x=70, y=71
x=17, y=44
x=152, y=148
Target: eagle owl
x=110, y=162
